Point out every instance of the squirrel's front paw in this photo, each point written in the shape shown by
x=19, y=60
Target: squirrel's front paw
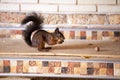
x=48, y=48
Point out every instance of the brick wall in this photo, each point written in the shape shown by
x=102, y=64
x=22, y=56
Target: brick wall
x=61, y=5
x=73, y=14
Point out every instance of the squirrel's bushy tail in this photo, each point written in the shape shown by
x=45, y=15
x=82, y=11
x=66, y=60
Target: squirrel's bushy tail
x=36, y=24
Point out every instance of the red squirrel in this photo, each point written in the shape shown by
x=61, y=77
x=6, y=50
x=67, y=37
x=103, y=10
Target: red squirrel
x=34, y=36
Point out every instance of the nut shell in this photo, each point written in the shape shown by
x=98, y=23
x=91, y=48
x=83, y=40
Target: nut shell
x=97, y=49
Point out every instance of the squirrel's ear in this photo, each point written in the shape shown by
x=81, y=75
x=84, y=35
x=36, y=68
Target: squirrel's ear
x=57, y=30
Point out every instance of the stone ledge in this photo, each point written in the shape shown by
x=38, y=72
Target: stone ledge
x=60, y=68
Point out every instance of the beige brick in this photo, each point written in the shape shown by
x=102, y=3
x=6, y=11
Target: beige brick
x=114, y=19
x=77, y=8
x=9, y=7
x=96, y=1
x=20, y=1
x=58, y=1
x=10, y=17
x=108, y=8
x=87, y=19
x=39, y=8
x=55, y=19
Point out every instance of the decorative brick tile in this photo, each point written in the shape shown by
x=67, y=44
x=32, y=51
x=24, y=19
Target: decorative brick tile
x=20, y=63
x=6, y=62
x=110, y=66
x=99, y=35
x=96, y=65
x=51, y=70
x=32, y=69
x=45, y=63
x=116, y=69
x=13, y=64
x=117, y=72
x=83, y=65
x=103, y=65
x=19, y=69
x=105, y=33
x=32, y=63
x=70, y=64
x=116, y=34
x=1, y=66
x=1, y=69
x=64, y=64
x=70, y=70
x=6, y=69
x=57, y=64
x=57, y=70
x=45, y=70
x=90, y=71
x=64, y=70
x=72, y=34
x=77, y=34
x=94, y=35
x=110, y=72
x=82, y=34
x=83, y=71
x=39, y=64
x=51, y=63
x=88, y=35
x=116, y=65
x=67, y=34
x=77, y=70
x=90, y=65
x=96, y=71
x=25, y=66
x=77, y=64
x=103, y=71
x=13, y=69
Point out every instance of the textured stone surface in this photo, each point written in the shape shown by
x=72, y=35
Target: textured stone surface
x=87, y=19
x=114, y=19
x=11, y=17
x=55, y=18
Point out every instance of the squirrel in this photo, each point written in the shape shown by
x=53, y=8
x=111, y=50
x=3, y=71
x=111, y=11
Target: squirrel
x=35, y=36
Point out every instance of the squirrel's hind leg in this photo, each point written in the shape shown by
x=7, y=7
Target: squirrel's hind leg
x=41, y=47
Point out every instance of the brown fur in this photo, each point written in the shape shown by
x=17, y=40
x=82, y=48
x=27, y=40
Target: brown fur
x=40, y=37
